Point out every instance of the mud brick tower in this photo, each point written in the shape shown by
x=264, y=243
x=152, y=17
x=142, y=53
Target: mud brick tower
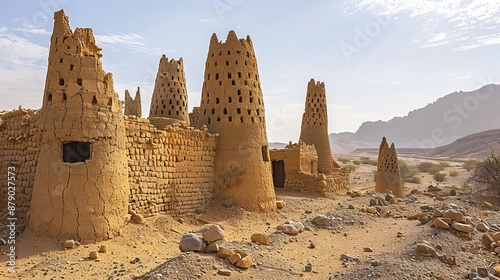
x=169, y=98
x=388, y=178
x=81, y=180
x=133, y=105
x=232, y=106
x=314, y=130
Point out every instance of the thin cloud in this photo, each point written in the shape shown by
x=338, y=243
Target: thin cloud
x=29, y=28
x=131, y=41
x=3, y=29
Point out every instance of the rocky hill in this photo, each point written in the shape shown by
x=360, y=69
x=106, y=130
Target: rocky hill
x=477, y=145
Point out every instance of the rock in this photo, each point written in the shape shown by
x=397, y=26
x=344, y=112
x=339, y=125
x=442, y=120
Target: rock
x=245, y=262
x=453, y=193
x=290, y=229
x=454, y=215
x=228, y=202
x=181, y=220
x=487, y=204
x=321, y=220
x=462, y=227
x=69, y=244
x=373, y=202
x=135, y=260
x=234, y=258
x=394, y=200
x=375, y=263
x=132, y=213
x=225, y=272
x=298, y=225
x=241, y=252
x=308, y=268
x=103, y=248
x=350, y=206
x=496, y=236
x=213, y=247
x=482, y=227
x=483, y=271
x=439, y=223
x=280, y=204
x=399, y=235
x=371, y=210
x=213, y=233
x=496, y=250
x=425, y=250
x=367, y=249
x=311, y=245
x=486, y=240
x=417, y=216
x=347, y=257
x=437, y=213
x=191, y=242
x=139, y=219
x=496, y=268
x=93, y=255
x=432, y=188
x=388, y=197
x=424, y=220
x=224, y=252
x=260, y=238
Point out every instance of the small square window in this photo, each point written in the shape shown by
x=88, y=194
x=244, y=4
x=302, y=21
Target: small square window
x=76, y=152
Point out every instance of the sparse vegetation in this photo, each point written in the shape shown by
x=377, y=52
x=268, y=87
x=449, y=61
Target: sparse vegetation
x=469, y=164
x=439, y=177
x=368, y=160
x=435, y=169
x=408, y=173
x=350, y=167
x=356, y=162
x=444, y=163
x=424, y=166
x=344, y=160
x=486, y=175
x=453, y=173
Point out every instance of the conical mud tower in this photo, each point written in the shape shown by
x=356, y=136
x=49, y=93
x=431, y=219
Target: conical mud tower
x=169, y=98
x=314, y=130
x=388, y=178
x=81, y=185
x=232, y=105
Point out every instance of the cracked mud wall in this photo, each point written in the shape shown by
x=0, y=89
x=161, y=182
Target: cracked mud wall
x=171, y=171
x=388, y=178
x=232, y=106
x=314, y=130
x=85, y=200
x=19, y=147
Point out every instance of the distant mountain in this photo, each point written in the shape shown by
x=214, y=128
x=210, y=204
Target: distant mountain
x=477, y=145
x=342, y=143
x=447, y=119
x=276, y=145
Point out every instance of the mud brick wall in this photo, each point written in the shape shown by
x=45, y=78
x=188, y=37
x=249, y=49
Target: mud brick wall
x=19, y=147
x=318, y=183
x=170, y=171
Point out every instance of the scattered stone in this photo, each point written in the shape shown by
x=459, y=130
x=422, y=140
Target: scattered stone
x=483, y=271
x=347, y=257
x=367, y=249
x=213, y=233
x=350, y=206
x=191, y=242
x=424, y=220
x=486, y=240
x=432, y=188
x=487, y=204
x=394, y=200
x=425, y=249
x=388, y=197
x=496, y=236
x=439, y=223
x=437, y=213
x=375, y=263
x=103, y=248
x=234, y=258
x=228, y=202
x=453, y=193
x=213, y=247
x=132, y=213
x=308, y=268
x=321, y=220
x=135, y=260
x=139, y=219
x=69, y=244
x=260, y=238
x=181, y=220
x=496, y=268
x=225, y=272
x=399, y=235
x=224, y=252
x=462, y=227
x=93, y=255
x=454, y=215
x=290, y=229
x=280, y=204
x=482, y=227
x=245, y=262
x=371, y=210
x=298, y=225
x=311, y=245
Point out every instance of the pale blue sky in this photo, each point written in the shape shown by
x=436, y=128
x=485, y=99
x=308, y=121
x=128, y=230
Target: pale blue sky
x=378, y=59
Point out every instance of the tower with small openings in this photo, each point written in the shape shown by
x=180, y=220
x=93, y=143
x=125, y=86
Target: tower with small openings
x=232, y=106
x=169, y=98
x=81, y=179
x=314, y=130
x=388, y=178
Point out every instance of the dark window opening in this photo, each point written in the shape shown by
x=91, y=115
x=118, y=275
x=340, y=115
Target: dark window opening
x=239, y=92
x=253, y=120
x=94, y=100
x=229, y=100
x=208, y=120
x=64, y=97
x=49, y=97
x=240, y=99
x=218, y=119
x=239, y=74
x=79, y=82
x=60, y=60
x=238, y=110
x=227, y=63
x=228, y=52
x=225, y=111
x=76, y=152
x=251, y=99
x=61, y=82
x=278, y=168
x=229, y=75
x=110, y=102
x=233, y=82
x=213, y=111
x=217, y=100
x=241, y=119
x=71, y=66
x=249, y=111
x=230, y=119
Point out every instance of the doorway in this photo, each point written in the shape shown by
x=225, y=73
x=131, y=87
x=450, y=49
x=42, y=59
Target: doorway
x=278, y=173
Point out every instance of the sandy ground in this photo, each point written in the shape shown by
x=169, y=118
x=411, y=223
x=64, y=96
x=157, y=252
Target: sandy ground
x=150, y=250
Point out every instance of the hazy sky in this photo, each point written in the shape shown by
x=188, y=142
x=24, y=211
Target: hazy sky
x=378, y=59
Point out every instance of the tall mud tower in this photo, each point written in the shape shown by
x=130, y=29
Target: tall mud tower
x=169, y=98
x=232, y=105
x=133, y=105
x=81, y=183
x=314, y=130
x=388, y=178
